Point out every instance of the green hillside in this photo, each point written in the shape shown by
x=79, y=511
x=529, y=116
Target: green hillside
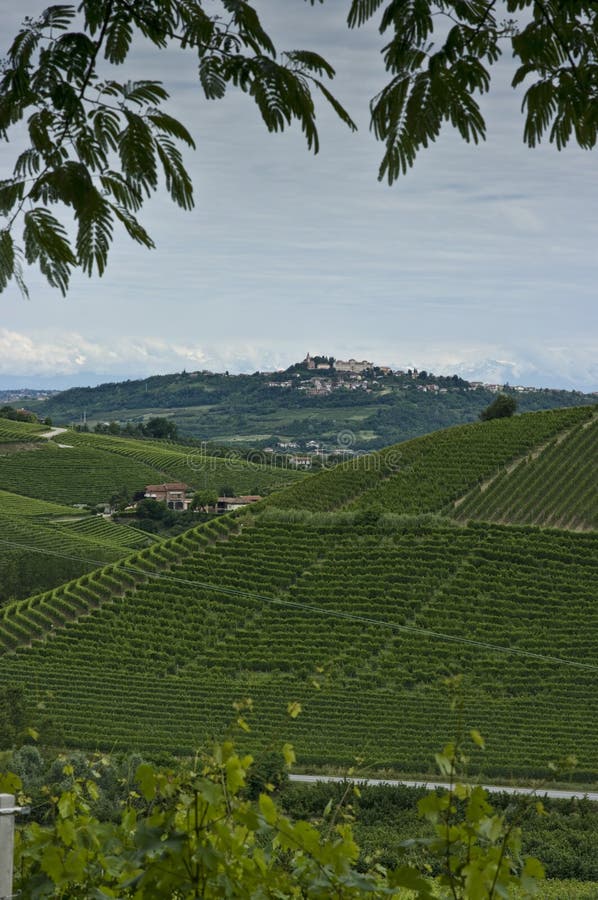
x=556, y=486
x=355, y=594
x=41, y=480
x=90, y=468
x=367, y=412
x=72, y=474
x=43, y=544
x=192, y=465
x=12, y=431
x=428, y=474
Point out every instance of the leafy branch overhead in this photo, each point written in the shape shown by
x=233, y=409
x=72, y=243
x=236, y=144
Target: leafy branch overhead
x=101, y=147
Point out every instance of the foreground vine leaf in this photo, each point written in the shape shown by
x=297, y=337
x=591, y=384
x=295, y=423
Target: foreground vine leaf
x=196, y=832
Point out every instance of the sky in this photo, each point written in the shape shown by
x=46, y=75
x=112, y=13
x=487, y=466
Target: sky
x=481, y=261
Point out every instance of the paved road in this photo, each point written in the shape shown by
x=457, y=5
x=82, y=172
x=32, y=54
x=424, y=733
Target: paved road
x=553, y=793
x=54, y=432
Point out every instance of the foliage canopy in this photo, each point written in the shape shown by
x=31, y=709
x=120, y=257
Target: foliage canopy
x=502, y=407
x=190, y=833
x=100, y=146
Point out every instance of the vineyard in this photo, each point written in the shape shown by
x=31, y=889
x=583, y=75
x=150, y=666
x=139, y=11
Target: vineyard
x=90, y=468
x=557, y=487
x=152, y=654
x=192, y=465
x=43, y=544
x=105, y=531
x=72, y=474
x=13, y=431
x=429, y=473
x=355, y=593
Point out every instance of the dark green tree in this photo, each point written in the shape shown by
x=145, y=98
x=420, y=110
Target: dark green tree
x=202, y=500
x=160, y=427
x=501, y=407
x=101, y=146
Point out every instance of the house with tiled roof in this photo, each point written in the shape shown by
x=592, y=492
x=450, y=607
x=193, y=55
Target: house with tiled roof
x=173, y=494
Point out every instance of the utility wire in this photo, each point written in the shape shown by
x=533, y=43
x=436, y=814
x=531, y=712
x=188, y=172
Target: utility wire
x=320, y=610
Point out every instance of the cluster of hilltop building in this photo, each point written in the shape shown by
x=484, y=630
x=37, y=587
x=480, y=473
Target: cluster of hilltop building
x=339, y=365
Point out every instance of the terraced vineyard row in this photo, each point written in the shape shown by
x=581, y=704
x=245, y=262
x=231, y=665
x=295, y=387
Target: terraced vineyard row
x=429, y=473
x=72, y=474
x=15, y=431
x=158, y=662
x=105, y=531
x=557, y=488
x=77, y=598
x=43, y=544
x=193, y=466
x=30, y=507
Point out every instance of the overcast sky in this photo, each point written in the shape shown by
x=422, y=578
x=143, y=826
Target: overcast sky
x=482, y=261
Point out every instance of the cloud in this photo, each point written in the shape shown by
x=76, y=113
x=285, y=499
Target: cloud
x=47, y=355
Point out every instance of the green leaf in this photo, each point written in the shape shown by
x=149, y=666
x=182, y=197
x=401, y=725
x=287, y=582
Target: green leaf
x=171, y=126
x=267, y=808
x=134, y=228
x=119, y=34
x=46, y=242
x=211, y=78
x=145, y=93
x=7, y=258
x=288, y=754
x=533, y=871
x=146, y=778
x=178, y=182
x=10, y=783
x=361, y=11
x=294, y=709
x=66, y=805
x=310, y=61
x=477, y=738
x=94, y=235
x=339, y=110
x=137, y=153
x=11, y=192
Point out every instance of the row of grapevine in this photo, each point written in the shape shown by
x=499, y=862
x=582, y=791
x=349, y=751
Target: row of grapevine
x=12, y=431
x=429, y=473
x=32, y=508
x=193, y=466
x=558, y=487
x=100, y=585
x=267, y=613
x=105, y=531
x=72, y=474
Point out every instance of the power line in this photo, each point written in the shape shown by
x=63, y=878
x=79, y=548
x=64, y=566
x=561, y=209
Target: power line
x=320, y=610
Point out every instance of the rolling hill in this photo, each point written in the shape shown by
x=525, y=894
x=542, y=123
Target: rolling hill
x=355, y=593
x=42, y=480
x=334, y=408
x=88, y=468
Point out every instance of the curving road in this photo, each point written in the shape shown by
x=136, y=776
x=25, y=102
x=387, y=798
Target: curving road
x=552, y=793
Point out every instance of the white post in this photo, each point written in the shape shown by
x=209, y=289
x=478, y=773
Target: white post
x=7, y=840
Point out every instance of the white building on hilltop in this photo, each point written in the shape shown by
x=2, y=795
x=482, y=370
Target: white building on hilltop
x=352, y=365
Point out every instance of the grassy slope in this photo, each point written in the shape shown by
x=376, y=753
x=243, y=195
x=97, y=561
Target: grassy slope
x=92, y=468
x=428, y=474
x=190, y=464
x=556, y=487
x=13, y=431
x=177, y=653
x=42, y=544
x=38, y=481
